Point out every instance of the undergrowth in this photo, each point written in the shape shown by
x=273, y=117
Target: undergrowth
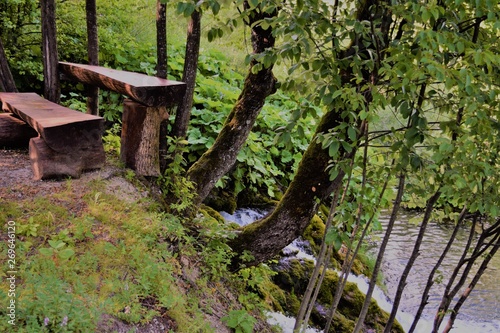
x=82, y=255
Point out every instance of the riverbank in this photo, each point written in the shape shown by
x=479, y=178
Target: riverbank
x=96, y=254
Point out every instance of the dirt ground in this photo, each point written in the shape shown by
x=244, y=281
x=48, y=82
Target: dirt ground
x=16, y=179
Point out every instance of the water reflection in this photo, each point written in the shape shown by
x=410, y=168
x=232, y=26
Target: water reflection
x=482, y=306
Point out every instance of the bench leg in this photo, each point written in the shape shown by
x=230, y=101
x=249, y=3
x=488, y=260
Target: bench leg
x=47, y=163
x=140, y=137
x=14, y=132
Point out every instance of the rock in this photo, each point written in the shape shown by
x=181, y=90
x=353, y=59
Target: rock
x=293, y=276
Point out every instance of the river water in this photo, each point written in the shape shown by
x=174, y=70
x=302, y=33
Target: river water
x=481, y=311
x=479, y=314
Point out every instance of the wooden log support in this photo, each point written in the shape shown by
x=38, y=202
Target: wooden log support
x=47, y=163
x=145, y=89
x=15, y=133
x=141, y=136
x=69, y=141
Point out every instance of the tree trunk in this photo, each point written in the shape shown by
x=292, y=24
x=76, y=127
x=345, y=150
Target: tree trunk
x=161, y=39
x=220, y=158
x=413, y=257
x=7, y=82
x=49, y=49
x=311, y=185
x=161, y=71
x=189, y=76
x=93, y=54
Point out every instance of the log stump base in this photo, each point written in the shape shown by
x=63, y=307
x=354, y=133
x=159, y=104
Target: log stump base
x=47, y=163
x=15, y=133
x=140, y=137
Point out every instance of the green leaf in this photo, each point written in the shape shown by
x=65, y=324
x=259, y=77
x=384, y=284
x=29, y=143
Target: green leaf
x=333, y=149
x=56, y=244
x=351, y=133
x=333, y=174
x=405, y=109
x=66, y=253
x=215, y=7
x=46, y=251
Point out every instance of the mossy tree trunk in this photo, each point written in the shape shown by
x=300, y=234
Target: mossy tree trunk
x=311, y=185
x=219, y=159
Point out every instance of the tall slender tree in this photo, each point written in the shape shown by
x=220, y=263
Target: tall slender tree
x=7, y=82
x=93, y=54
x=161, y=39
x=183, y=113
x=52, y=89
x=161, y=71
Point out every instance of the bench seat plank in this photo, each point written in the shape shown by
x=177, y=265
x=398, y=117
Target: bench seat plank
x=62, y=129
x=145, y=89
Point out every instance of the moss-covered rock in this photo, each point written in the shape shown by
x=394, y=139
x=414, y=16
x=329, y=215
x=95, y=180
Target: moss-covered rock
x=209, y=212
x=293, y=276
x=314, y=233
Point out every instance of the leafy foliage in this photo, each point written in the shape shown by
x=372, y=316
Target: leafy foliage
x=240, y=320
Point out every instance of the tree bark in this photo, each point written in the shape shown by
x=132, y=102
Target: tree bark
x=380, y=255
x=7, y=82
x=430, y=278
x=93, y=55
x=220, y=158
x=189, y=75
x=161, y=72
x=415, y=253
x=141, y=136
x=495, y=245
x=49, y=50
x=311, y=185
x=161, y=39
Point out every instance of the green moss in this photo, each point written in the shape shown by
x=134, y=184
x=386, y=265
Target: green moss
x=9, y=210
x=209, y=212
x=314, y=233
x=342, y=324
x=293, y=277
x=221, y=201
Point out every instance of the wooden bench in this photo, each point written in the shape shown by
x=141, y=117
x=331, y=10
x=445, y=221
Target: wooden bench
x=68, y=141
x=150, y=97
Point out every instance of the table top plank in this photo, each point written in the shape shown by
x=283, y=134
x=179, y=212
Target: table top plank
x=145, y=89
x=59, y=126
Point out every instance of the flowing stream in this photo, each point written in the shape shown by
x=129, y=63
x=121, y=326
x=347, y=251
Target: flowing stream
x=479, y=314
